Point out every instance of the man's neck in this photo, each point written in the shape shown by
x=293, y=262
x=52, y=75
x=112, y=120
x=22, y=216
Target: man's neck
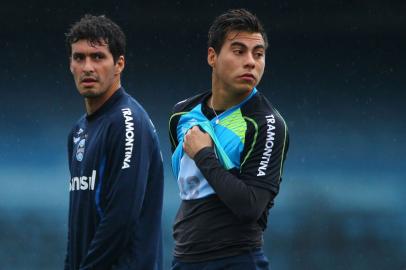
x=221, y=99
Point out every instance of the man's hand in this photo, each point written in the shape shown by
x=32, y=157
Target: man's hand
x=195, y=140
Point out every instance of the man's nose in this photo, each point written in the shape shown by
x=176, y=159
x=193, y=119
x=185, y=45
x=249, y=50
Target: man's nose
x=88, y=65
x=249, y=60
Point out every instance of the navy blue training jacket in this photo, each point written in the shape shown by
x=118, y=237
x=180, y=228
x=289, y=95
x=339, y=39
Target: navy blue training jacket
x=116, y=189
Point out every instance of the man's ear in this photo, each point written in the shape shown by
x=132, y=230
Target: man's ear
x=120, y=64
x=70, y=64
x=211, y=57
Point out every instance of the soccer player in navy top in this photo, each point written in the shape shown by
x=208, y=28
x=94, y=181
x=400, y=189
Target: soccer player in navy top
x=229, y=145
x=116, y=184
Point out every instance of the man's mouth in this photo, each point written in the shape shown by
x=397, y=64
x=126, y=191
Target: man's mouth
x=247, y=77
x=88, y=81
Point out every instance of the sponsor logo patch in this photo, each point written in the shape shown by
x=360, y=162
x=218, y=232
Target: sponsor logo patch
x=129, y=137
x=269, y=143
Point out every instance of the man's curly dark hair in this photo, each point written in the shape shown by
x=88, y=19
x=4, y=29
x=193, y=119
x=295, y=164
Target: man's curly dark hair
x=97, y=30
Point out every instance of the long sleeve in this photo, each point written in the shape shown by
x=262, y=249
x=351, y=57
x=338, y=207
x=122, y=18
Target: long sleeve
x=67, y=255
x=245, y=201
x=67, y=259
x=248, y=192
x=122, y=188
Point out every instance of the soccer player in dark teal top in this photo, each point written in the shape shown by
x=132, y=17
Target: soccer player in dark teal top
x=229, y=145
x=116, y=185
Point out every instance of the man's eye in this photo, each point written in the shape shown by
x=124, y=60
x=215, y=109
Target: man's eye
x=98, y=56
x=78, y=57
x=238, y=51
x=259, y=54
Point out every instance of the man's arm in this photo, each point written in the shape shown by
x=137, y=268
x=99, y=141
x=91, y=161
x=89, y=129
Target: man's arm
x=247, y=193
x=245, y=201
x=67, y=259
x=127, y=166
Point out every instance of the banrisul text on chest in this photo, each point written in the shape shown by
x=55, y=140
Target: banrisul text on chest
x=129, y=137
x=83, y=182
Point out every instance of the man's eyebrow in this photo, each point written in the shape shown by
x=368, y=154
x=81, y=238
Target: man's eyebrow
x=260, y=46
x=97, y=53
x=76, y=54
x=237, y=43
x=92, y=53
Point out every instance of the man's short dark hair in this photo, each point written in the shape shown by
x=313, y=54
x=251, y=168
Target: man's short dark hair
x=97, y=30
x=234, y=20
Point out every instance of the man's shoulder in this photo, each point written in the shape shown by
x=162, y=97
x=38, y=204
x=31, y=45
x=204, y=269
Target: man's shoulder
x=260, y=114
x=189, y=103
x=259, y=107
x=128, y=107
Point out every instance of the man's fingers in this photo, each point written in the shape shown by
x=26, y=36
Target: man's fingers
x=197, y=129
